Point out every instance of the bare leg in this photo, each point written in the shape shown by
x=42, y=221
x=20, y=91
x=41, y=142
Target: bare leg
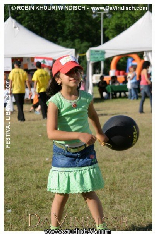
x=95, y=206
x=57, y=208
x=38, y=108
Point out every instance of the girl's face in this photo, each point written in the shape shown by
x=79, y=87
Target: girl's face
x=70, y=79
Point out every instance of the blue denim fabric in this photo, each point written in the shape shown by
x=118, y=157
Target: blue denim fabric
x=134, y=84
x=63, y=158
x=134, y=93
x=129, y=93
x=145, y=91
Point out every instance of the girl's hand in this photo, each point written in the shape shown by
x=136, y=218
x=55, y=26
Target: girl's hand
x=87, y=138
x=102, y=138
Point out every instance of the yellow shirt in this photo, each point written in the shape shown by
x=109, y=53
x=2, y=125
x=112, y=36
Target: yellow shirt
x=42, y=78
x=18, y=77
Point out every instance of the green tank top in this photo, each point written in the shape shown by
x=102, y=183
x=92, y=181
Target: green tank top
x=72, y=115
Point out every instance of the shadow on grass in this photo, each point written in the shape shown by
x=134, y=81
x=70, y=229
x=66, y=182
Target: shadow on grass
x=140, y=228
x=35, y=120
x=112, y=114
x=106, y=114
x=99, y=100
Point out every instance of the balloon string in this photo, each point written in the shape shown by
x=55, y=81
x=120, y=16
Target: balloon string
x=105, y=143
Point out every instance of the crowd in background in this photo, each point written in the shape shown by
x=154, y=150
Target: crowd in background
x=134, y=85
x=15, y=87
x=18, y=79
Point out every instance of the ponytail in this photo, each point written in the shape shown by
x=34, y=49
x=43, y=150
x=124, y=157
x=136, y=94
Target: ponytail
x=53, y=87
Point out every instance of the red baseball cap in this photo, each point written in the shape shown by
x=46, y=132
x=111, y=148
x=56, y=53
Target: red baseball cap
x=64, y=64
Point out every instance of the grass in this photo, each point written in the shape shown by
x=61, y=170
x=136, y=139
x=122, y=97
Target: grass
x=126, y=197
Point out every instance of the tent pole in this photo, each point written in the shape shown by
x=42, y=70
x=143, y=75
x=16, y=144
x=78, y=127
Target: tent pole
x=90, y=90
x=102, y=63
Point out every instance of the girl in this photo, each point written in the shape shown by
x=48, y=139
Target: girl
x=74, y=164
x=145, y=86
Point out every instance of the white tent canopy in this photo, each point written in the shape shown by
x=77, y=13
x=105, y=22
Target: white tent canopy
x=20, y=42
x=137, y=38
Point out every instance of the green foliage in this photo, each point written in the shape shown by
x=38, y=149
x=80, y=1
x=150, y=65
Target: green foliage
x=122, y=20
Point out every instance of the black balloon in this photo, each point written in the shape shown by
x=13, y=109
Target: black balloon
x=122, y=131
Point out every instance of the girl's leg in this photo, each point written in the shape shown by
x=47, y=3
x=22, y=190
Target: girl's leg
x=57, y=208
x=95, y=206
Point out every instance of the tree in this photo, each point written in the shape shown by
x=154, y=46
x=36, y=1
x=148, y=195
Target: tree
x=122, y=19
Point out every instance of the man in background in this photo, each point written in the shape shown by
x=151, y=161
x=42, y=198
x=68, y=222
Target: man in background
x=41, y=80
x=18, y=78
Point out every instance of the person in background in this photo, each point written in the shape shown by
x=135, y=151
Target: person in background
x=102, y=84
x=129, y=75
x=145, y=86
x=35, y=107
x=134, y=83
x=123, y=83
x=150, y=78
x=18, y=81
x=41, y=80
x=114, y=81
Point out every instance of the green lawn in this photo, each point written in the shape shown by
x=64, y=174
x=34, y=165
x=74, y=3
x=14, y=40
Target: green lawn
x=126, y=197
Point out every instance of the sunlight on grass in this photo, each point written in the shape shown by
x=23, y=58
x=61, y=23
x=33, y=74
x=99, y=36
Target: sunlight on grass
x=126, y=197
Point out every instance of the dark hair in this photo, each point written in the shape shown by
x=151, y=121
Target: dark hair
x=18, y=63
x=53, y=87
x=145, y=65
x=134, y=67
x=38, y=64
x=113, y=79
x=101, y=78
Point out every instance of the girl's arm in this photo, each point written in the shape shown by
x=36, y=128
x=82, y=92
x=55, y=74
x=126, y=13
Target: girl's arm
x=54, y=134
x=96, y=124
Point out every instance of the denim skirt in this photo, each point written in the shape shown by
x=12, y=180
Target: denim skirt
x=64, y=158
x=74, y=172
